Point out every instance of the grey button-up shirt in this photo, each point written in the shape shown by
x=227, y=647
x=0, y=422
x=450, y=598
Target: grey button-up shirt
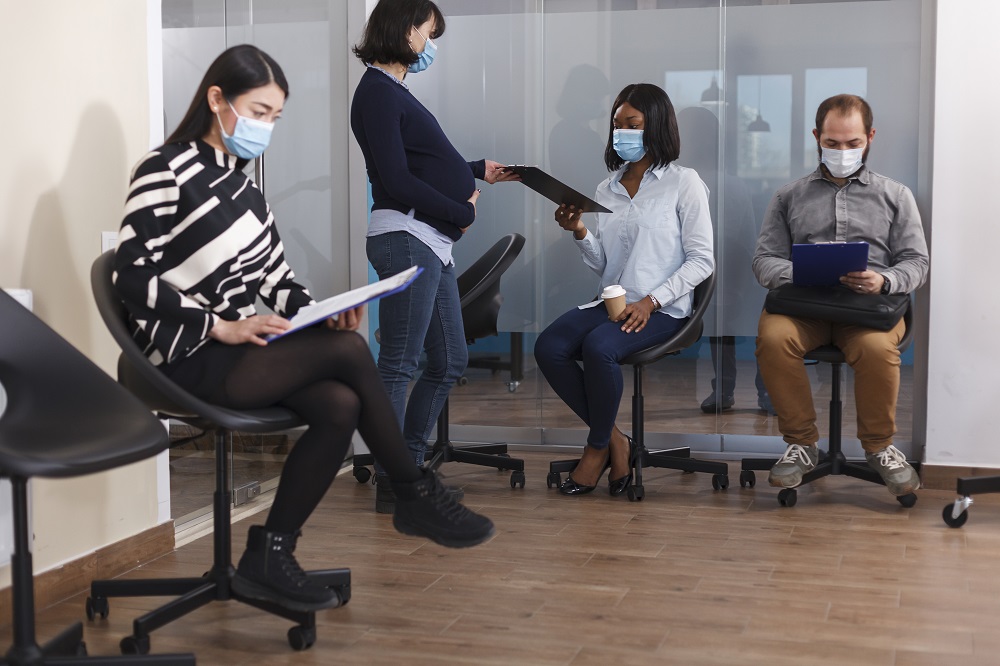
x=870, y=208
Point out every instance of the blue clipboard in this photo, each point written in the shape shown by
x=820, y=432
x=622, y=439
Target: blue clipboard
x=317, y=312
x=823, y=264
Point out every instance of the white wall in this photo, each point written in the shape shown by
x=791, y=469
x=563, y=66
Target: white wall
x=76, y=117
x=963, y=356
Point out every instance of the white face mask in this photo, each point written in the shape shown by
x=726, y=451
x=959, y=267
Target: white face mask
x=842, y=163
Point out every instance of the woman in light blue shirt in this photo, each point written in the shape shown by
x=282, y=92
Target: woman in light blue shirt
x=656, y=244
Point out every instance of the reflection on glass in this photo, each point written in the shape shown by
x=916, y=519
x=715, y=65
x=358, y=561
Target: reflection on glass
x=822, y=83
x=764, y=153
x=696, y=88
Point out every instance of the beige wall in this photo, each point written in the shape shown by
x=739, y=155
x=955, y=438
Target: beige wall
x=75, y=117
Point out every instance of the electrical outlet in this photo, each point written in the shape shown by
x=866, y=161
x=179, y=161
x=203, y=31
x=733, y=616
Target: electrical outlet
x=109, y=240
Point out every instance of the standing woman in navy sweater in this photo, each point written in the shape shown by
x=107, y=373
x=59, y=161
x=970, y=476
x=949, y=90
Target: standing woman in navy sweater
x=197, y=246
x=424, y=198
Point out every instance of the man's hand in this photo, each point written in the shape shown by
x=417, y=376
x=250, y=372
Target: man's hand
x=252, y=329
x=863, y=282
x=498, y=173
x=568, y=218
x=636, y=315
x=348, y=320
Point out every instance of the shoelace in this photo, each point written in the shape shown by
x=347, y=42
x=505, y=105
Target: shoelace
x=290, y=566
x=793, y=453
x=891, y=458
x=448, y=507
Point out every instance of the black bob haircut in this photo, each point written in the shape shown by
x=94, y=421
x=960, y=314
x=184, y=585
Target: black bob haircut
x=385, y=36
x=660, y=136
x=236, y=70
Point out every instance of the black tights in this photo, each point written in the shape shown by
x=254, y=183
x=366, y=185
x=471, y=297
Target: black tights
x=329, y=379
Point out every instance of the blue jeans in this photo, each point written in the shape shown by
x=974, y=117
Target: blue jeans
x=427, y=316
x=594, y=391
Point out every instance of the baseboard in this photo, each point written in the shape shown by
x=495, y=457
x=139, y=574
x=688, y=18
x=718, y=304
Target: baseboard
x=944, y=477
x=110, y=561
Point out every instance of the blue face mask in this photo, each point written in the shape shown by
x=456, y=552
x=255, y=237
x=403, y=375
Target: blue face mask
x=250, y=137
x=628, y=144
x=424, y=58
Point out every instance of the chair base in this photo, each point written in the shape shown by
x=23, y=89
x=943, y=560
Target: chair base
x=496, y=363
x=678, y=458
x=957, y=513
x=215, y=585
x=830, y=464
x=68, y=648
x=484, y=455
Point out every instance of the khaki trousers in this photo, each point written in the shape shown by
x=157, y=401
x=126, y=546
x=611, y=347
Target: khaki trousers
x=781, y=344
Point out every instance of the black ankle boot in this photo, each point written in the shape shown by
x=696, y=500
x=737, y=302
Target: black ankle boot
x=425, y=508
x=268, y=571
x=385, y=498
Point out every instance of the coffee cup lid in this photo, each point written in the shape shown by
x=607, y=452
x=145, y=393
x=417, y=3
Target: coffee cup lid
x=613, y=290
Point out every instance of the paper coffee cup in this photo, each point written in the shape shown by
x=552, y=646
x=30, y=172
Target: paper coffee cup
x=614, y=300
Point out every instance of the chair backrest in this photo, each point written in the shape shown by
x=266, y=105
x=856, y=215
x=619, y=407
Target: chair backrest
x=832, y=353
x=153, y=387
x=479, y=287
x=687, y=335
x=64, y=415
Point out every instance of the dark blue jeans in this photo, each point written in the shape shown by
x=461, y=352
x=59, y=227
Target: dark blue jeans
x=594, y=391
x=425, y=317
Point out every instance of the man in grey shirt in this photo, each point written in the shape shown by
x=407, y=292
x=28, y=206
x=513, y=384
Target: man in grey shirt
x=841, y=201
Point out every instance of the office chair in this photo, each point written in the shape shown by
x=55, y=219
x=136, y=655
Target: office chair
x=170, y=401
x=479, y=292
x=676, y=458
x=64, y=417
x=957, y=513
x=833, y=462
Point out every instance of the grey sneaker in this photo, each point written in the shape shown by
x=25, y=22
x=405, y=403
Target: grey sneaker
x=788, y=471
x=900, y=478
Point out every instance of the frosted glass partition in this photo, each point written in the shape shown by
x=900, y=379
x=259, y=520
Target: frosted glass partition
x=532, y=82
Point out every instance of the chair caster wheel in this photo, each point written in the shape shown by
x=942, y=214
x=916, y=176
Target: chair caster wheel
x=301, y=638
x=134, y=645
x=635, y=493
x=748, y=479
x=512, y=386
x=553, y=480
x=97, y=606
x=362, y=474
x=462, y=381
x=720, y=481
x=788, y=497
x=516, y=479
x=952, y=521
x=907, y=500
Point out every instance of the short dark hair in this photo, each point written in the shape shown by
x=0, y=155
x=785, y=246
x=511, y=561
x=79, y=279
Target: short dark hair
x=236, y=70
x=844, y=105
x=385, y=36
x=660, y=136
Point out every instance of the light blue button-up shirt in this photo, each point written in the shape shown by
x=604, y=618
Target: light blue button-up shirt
x=658, y=243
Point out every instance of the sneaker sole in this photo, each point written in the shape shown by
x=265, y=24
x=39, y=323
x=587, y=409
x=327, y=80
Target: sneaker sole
x=251, y=590
x=385, y=507
x=411, y=530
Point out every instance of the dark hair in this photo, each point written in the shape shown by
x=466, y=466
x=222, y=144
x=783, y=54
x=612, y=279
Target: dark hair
x=236, y=70
x=844, y=105
x=385, y=38
x=660, y=136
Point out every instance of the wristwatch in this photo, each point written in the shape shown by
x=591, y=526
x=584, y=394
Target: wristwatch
x=886, y=284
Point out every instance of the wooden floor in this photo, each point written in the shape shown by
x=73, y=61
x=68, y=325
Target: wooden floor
x=689, y=576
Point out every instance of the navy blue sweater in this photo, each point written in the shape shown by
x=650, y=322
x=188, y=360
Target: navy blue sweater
x=411, y=163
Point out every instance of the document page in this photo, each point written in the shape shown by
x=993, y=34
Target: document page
x=329, y=307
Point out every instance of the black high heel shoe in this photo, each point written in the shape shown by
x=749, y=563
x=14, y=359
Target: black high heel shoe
x=618, y=486
x=571, y=487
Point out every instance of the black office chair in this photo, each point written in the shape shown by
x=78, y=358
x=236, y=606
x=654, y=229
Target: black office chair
x=676, y=458
x=64, y=417
x=832, y=462
x=479, y=291
x=170, y=401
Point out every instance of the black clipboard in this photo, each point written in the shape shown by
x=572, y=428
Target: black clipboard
x=822, y=264
x=555, y=190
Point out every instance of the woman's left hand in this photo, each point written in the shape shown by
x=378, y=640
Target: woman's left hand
x=348, y=320
x=636, y=315
x=498, y=173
